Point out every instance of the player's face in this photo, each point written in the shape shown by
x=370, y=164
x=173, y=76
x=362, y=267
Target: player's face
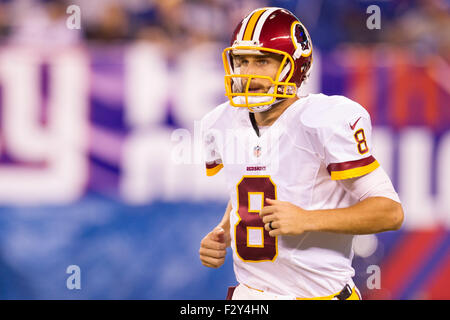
x=261, y=65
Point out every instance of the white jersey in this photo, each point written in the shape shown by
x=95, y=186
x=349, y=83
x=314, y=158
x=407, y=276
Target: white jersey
x=316, y=141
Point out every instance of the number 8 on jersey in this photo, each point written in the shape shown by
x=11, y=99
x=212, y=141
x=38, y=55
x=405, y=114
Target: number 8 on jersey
x=253, y=242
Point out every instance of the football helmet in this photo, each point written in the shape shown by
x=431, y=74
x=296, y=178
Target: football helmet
x=268, y=30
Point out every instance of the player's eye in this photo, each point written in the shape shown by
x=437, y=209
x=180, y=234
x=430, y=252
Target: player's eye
x=262, y=62
x=243, y=62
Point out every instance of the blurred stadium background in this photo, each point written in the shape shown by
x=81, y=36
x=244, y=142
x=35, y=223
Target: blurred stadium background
x=99, y=165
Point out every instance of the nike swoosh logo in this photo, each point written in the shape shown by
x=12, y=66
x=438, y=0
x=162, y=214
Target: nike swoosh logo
x=354, y=125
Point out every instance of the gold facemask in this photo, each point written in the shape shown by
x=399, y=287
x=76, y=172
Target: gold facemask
x=279, y=89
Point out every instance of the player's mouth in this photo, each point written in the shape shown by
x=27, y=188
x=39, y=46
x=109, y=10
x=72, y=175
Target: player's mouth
x=256, y=90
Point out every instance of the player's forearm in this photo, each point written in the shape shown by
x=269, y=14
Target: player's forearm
x=372, y=215
x=225, y=222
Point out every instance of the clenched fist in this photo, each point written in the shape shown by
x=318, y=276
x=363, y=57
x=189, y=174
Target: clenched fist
x=213, y=248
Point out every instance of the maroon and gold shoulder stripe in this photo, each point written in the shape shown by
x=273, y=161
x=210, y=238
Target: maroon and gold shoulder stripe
x=213, y=168
x=352, y=169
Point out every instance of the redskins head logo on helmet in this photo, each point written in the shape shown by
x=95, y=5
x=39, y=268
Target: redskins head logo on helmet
x=267, y=31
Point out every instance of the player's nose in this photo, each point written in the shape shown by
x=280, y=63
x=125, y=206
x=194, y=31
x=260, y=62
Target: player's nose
x=246, y=80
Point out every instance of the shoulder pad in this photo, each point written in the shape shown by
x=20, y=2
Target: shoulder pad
x=328, y=111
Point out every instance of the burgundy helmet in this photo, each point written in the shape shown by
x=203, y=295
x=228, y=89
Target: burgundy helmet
x=273, y=30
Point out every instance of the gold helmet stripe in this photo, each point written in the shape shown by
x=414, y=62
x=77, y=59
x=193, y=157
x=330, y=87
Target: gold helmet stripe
x=251, y=24
x=261, y=22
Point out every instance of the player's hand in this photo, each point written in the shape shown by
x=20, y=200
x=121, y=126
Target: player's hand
x=213, y=248
x=286, y=218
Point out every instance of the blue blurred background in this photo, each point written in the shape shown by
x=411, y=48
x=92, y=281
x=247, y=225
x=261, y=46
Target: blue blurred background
x=99, y=157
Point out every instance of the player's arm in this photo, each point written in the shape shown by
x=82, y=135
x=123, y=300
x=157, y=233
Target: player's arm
x=213, y=247
x=379, y=204
x=225, y=222
x=378, y=210
x=342, y=139
x=372, y=215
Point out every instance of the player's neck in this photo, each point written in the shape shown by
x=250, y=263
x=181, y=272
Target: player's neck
x=267, y=118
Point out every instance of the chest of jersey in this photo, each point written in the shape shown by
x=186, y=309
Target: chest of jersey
x=276, y=165
x=279, y=157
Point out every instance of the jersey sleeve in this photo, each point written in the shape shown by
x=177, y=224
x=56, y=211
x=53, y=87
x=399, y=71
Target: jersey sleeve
x=211, y=153
x=341, y=136
x=348, y=147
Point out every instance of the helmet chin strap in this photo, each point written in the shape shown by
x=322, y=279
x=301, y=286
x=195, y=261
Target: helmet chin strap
x=266, y=107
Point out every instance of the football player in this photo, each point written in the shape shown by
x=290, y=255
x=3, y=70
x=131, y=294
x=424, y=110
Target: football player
x=299, y=169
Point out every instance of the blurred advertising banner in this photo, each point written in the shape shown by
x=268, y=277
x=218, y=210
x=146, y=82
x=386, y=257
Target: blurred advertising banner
x=122, y=122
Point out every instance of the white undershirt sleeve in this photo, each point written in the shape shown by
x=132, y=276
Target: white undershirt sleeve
x=374, y=184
